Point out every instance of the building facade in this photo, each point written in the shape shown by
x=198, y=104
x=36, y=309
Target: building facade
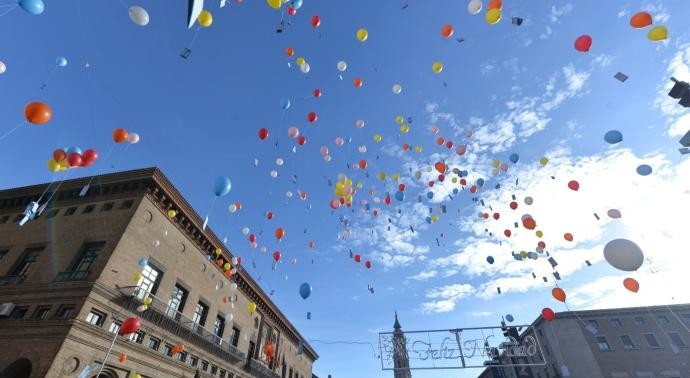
x=638, y=342
x=401, y=360
x=93, y=257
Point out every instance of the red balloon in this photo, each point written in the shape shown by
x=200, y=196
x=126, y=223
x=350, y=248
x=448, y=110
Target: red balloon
x=263, y=133
x=473, y=189
x=463, y=182
x=401, y=187
x=279, y=233
x=291, y=11
x=406, y=147
x=130, y=325
x=568, y=236
x=641, y=20
x=440, y=166
x=368, y=264
x=239, y=260
x=89, y=157
x=529, y=223
x=548, y=314
x=497, y=216
x=120, y=135
x=541, y=244
x=631, y=284
x=485, y=215
x=507, y=233
x=513, y=205
x=441, y=178
x=447, y=31
x=312, y=117
x=574, y=185
x=122, y=358
x=301, y=140
x=316, y=93
x=357, y=82
x=358, y=258
x=387, y=200
x=583, y=43
x=376, y=213
x=363, y=164
x=310, y=244
x=276, y=255
x=37, y=113
x=449, y=144
x=315, y=21
x=440, y=141
x=431, y=184
x=252, y=238
x=269, y=215
x=74, y=160
x=558, y=293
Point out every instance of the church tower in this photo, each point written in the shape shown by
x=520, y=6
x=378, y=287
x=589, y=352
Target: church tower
x=401, y=360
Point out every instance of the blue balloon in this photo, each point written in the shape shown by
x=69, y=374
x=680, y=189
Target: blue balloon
x=490, y=259
x=73, y=150
x=400, y=195
x=509, y=318
x=455, y=191
x=285, y=103
x=61, y=61
x=613, y=137
x=428, y=220
x=644, y=170
x=480, y=182
x=143, y=261
x=305, y=290
x=297, y=4
x=208, y=257
x=222, y=186
x=32, y=6
x=514, y=158
x=429, y=195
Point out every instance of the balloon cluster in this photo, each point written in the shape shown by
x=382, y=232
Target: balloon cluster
x=122, y=136
x=71, y=157
x=344, y=191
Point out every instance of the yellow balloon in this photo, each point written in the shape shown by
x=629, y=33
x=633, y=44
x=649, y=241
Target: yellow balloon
x=399, y=119
x=53, y=165
x=148, y=301
x=496, y=164
x=348, y=182
x=454, y=180
x=227, y=266
x=218, y=251
x=523, y=254
x=382, y=175
x=434, y=218
x=275, y=4
x=172, y=213
x=493, y=16
x=362, y=34
x=205, y=18
x=658, y=33
x=404, y=128
x=137, y=277
x=377, y=138
x=360, y=185
x=437, y=67
x=64, y=165
x=543, y=161
x=348, y=199
x=418, y=149
x=339, y=192
x=539, y=233
x=136, y=375
x=300, y=61
x=395, y=177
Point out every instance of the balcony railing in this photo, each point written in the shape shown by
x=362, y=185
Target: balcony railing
x=11, y=280
x=258, y=369
x=163, y=316
x=75, y=275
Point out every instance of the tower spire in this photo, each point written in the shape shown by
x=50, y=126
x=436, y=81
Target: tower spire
x=397, y=323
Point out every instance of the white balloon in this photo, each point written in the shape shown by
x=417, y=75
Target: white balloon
x=327, y=157
x=362, y=148
x=139, y=15
x=288, y=194
x=397, y=88
x=232, y=208
x=305, y=67
x=274, y=174
x=342, y=66
x=3, y=67
x=624, y=255
x=234, y=261
x=133, y=138
x=475, y=6
x=156, y=243
x=229, y=317
x=279, y=162
x=245, y=231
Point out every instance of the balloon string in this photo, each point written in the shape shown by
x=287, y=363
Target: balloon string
x=124, y=153
x=58, y=186
x=98, y=173
x=196, y=32
x=11, y=131
x=8, y=11
x=124, y=5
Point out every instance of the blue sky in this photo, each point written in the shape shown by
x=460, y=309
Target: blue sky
x=519, y=89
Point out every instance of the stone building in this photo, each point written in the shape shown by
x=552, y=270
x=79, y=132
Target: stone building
x=94, y=255
x=636, y=342
x=401, y=360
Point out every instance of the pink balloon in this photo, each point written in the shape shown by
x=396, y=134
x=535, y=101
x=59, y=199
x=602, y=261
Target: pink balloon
x=461, y=149
x=324, y=150
x=339, y=141
x=293, y=132
x=359, y=123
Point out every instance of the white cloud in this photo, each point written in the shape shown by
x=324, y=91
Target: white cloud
x=446, y=297
x=658, y=11
x=677, y=117
x=487, y=67
x=480, y=314
x=557, y=13
x=424, y=275
x=604, y=60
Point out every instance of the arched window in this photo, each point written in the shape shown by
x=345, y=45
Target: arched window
x=20, y=368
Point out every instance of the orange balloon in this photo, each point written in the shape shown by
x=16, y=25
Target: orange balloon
x=440, y=166
x=239, y=205
x=122, y=358
x=59, y=155
x=529, y=223
x=289, y=52
x=568, y=236
x=558, y=293
x=120, y=135
x=631, y=284
x=37, y=113
x=495, y=4
x=357, y=82
x=280, y=233
x=447, y=31
x=641, y=20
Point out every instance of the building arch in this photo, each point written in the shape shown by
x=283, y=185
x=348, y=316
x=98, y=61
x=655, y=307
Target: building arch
x=20, y=368
x=106, y=373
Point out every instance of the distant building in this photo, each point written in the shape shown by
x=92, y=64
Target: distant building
x=401, y=360
x=638, y=342
x=67, y=283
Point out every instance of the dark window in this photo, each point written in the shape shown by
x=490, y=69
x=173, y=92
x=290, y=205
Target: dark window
x=19, y=312
x=88, y=209
x=66, y=312
x=651, y=340
x=662, y=319
x=167, y=350
x=114, y=327
x=593, y=323
x=28, y=258
x=4, y=219
x=154, y=343
x=150, y=278
x=107, y=206
x=18, y=218
x=178, y=297
x=616, y=323
x=70, y=211
x=676, y=339
x=52, y=213
x=235, y=336
x=193, y=360
x=204, y=365
x=219, y=326
x=685, y=317
x=86, y=256
x=627, y=342
x=3, y=252
x=137, y=337
x=182, y=356
x=126, y=204
x=214, y=369
x=603, y=343
x=639, y=321
x=222, y=373
x=200, y=314
x=41, y=312
x=290, y=374
x=95, y=317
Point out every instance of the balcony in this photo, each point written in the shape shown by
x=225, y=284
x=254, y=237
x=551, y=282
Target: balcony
x=260, y=370
x=11, y=280
x=175, y=322
x=76, y=275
